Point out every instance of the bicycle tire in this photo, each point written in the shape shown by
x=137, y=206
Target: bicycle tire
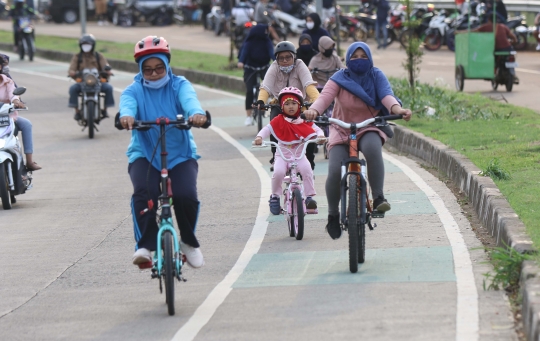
x=298, y=214
x=352, y=221
x=168, y=266
x=4, y=183
x=90, y=112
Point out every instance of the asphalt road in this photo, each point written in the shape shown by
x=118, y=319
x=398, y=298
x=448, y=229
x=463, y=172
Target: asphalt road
x=437, y=67
x=66, y=246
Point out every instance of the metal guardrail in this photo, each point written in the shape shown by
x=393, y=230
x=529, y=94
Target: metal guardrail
x=511, y=5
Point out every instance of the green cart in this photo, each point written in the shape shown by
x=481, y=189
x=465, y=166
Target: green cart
x=476, y=59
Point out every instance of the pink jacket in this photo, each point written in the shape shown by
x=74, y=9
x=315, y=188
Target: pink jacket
x=348, y=108
x=6, y=91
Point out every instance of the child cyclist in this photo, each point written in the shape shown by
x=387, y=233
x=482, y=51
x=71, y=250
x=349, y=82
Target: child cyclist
x=290, y=131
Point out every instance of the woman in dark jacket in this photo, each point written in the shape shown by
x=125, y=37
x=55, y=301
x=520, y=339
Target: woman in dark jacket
x=314, y=29
x=257, y=51
x=305, y=50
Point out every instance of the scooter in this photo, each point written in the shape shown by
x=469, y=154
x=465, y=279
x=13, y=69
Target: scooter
x=505, y=73
x=160, y=15
x=15, y=179
x=26, y=43
x=518, y=26
x=460, y=23
x=91, y=106
x=435, y=35
x=293, y=25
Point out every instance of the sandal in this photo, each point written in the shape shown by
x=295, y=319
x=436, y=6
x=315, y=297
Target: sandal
x=33, y=167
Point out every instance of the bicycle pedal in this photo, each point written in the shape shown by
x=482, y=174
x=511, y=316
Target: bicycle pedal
x=377, y=214
x=146, y=265
x=312, y=211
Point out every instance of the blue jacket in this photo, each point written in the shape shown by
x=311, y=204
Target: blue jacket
x=257, y=50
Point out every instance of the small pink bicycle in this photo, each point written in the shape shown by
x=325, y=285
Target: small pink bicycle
x=294, y=205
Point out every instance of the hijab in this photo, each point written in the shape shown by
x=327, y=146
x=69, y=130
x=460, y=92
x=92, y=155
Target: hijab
x=316, y=21
x=326, y=63
x=371, y=86
x=305, y=53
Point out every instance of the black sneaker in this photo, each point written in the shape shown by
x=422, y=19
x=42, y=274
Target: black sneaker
x=77, y=116
x=380, y=204
x=275, y=208
x=104, y=114
x=333, y=227
x=310, y=203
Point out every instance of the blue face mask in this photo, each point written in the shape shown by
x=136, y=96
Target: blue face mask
x=286, y=69
x=359, y=66
x=156, y=84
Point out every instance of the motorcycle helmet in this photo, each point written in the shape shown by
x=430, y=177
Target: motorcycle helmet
x=87, y=39
x=150, y=45
x=291, y=90
x=285, y=46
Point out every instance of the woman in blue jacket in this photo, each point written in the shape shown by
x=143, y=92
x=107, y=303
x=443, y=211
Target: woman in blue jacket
x=155, y=93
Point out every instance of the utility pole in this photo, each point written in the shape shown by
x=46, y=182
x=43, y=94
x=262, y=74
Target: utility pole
x=82, y=15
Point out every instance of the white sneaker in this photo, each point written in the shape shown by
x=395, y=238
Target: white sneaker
x=142, y=256
x=248, y=121
x=100, y=23
x=538, y=47
x=193, y=255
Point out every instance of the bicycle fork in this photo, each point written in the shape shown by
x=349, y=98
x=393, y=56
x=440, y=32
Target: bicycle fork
x=357, y=167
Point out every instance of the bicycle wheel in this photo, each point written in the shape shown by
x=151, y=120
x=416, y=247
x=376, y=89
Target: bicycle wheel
x=353, y=219
x=168, y=266
x=298, y=214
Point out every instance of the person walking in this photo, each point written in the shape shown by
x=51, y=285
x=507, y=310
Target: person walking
x=380, y=24
x=101, y=12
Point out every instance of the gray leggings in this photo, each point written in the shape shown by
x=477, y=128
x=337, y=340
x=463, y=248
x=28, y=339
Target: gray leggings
x=371, y=146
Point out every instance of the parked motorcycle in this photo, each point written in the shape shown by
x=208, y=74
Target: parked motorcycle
x=460, y=23
x=293, y=24
x=90, y=105
x=240, y=32
x=349, y=26
x=26, y=45
x=15, y=179
x=425, y=16
x=518, y=26
x=505, y=73
x=436, y=33
x=129, y=15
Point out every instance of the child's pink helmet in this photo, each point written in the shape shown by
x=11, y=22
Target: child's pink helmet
x=291, y=90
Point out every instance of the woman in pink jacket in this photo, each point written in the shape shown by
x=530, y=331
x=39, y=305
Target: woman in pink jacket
x=361, y=92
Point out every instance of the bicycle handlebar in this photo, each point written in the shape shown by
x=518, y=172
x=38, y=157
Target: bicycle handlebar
x=180, y=123
x=294, y=158
x=256, y=68
x=270, y=106
x=325, y=121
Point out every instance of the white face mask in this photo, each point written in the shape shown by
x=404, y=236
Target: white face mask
x=86, y=47
x=310, y=25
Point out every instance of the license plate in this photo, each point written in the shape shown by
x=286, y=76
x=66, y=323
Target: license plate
x=4, y=121
x=511, y=65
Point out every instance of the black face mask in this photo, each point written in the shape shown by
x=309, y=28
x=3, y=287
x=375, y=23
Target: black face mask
x=328, y=53
x=305, y=48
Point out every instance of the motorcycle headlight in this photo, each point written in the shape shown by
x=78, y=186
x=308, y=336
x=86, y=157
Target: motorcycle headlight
x=2, y=143
x=90, y=80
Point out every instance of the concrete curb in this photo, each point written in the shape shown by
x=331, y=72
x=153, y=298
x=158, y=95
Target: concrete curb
x=490, y=205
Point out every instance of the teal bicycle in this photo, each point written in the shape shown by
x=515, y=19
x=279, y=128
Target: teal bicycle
x=168, y=258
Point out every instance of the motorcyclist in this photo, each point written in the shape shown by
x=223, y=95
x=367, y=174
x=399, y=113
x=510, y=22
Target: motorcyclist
x=88, y=59
x=502, y=34
x=19, y=10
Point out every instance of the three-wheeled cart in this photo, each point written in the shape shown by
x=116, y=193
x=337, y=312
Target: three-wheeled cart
x=476, y=58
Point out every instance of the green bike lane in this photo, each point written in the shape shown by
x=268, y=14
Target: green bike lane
x=288, y=289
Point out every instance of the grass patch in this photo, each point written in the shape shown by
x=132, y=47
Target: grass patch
x=124, y=51
x=484, y=130
x=480, y=128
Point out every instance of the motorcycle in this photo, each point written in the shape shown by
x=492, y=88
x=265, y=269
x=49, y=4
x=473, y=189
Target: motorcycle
x=518, y=26
x=91, y=106
x=437, y=31
x=425, y=16
x=26, y=43
x=348, y=27
x=240, y=32
x=15, y=179
x=293, y=25
x=505, y=73
x=460, y=23
x=132, y=13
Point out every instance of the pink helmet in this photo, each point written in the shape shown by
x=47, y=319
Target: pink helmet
x=291, y=90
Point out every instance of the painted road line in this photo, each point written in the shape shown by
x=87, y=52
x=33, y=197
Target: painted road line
x=206, y=310
x=467, y=319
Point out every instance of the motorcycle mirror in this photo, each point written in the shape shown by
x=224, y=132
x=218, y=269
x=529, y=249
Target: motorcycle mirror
x=19, y=91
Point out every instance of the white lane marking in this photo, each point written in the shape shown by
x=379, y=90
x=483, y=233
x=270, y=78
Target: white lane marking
x=467, y=319
x=206, y=310
x=528, y=71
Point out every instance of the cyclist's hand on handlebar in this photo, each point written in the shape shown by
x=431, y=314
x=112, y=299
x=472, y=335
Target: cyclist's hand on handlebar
x=260, y=105
x=322, y=139
x=127, y=122
x=311, y=114
x=240, y=65
x=397, y=110
x=258, y=141
x=198, y=120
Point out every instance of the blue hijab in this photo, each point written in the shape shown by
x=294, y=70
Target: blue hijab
x=163, y=102
x=371, y=87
